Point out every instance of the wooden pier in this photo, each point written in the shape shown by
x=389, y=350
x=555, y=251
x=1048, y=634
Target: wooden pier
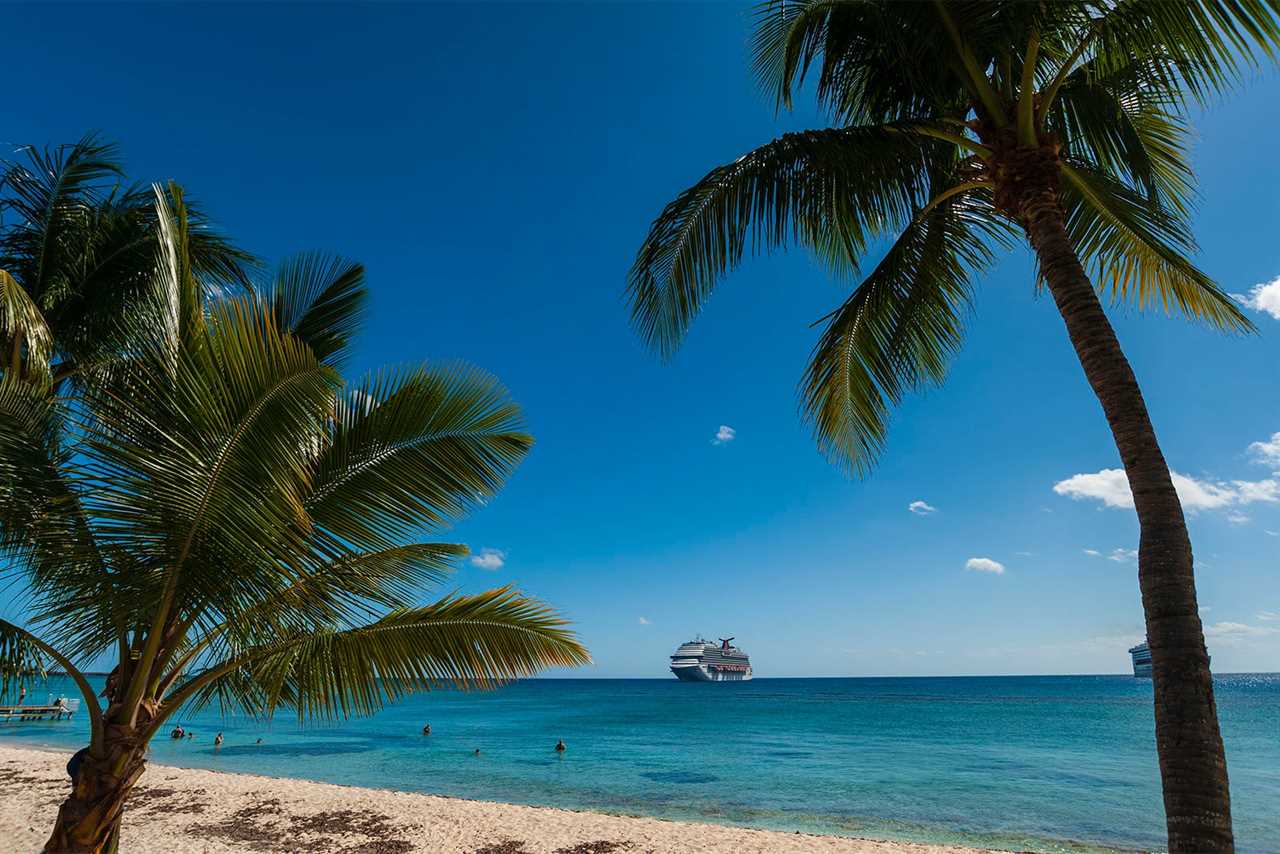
x=54, y=712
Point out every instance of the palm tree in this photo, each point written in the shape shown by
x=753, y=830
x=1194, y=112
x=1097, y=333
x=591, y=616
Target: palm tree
x=226, y=519
x=959, y=128
x=77, y=253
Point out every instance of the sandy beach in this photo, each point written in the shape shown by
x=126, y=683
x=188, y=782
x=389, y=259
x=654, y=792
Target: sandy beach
x=189, y=810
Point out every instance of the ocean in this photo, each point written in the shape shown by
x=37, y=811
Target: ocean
x=1035, y=763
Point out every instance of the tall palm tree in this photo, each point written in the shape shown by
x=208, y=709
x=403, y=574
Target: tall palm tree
x=960, y=128
x=227, y=520
x=76, y=254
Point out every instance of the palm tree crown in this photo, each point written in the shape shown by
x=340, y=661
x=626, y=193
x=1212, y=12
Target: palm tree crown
x=221, y=514
x=942, y=112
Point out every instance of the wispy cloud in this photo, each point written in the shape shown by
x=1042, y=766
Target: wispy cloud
x=1268, y=616
x=1228, y=632
x=921, y=508
x=1111, y=487
x=644, y=621
x=1264, y=297
x=489, y=559
x=1235, y=517
x=984, y=564
x=724, y=435
x=1093, y=553
x=1266, y=452
x=1123, y=555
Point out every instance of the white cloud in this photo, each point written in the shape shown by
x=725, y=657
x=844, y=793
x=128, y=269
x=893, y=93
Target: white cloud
x=1093, y=553
x=921, y=508
x=1267, y=452
x=1235, y=517
x=1273, y=533
x=489, y=559
x=644, y=621
x=984, y=564
x=1111, y=487
x=1264, y=297
x=724, y=435
x=1268, y=616
x=1025, y=554
x=1238, y=630
x=1123, y=555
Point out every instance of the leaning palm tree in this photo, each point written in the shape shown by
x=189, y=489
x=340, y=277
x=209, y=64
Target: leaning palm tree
x=76, y=255
x=960, y=128
x=223, y=517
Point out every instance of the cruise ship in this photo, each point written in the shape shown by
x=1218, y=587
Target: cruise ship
x=699, y=660
x=1141, y=655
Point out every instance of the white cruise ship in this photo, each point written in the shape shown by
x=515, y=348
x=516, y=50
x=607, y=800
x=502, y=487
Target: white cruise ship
x=699, y=660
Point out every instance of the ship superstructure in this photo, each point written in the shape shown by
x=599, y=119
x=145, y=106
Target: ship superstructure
x=700, y=660
x=1141, y=655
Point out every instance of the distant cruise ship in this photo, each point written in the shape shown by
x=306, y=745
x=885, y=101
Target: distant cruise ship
x=1141, y=660
x=702, y=661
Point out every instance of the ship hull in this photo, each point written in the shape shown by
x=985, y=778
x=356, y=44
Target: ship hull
x=704, y=674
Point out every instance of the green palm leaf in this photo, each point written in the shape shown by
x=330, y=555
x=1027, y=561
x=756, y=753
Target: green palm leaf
x=1139, y=251
x=811, y=188
x=320, y=300
x=414, y=449
x=897, y=331
x=467, y=641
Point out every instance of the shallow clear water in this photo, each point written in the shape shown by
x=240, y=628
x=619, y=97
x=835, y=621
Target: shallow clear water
x=1061, y=763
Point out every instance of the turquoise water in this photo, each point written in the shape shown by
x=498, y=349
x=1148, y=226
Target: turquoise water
x=1025, y=763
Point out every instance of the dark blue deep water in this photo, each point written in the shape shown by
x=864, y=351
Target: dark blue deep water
x=1062, y=763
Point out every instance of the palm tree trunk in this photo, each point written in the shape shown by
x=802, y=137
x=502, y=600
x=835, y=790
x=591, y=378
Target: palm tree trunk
x=1193, y=767
x=89, y=819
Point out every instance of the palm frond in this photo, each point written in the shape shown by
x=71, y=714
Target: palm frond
x=48, y=198
x=897, y=331
x=1200, y=47
x=412, y=450
x=1127, y=134
x=22, y=323
x=321, y=300
x=807, y=188
x=21, y=661
x=468, y=641
x=1138, y=251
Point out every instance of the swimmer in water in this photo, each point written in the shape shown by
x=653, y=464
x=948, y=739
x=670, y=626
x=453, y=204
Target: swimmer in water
x=560, y=748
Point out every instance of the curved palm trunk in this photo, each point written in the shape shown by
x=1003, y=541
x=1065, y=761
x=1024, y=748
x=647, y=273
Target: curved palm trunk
x=89, y=819
x=1193, y=766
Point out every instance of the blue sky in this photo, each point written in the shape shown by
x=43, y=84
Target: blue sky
x=495, y=167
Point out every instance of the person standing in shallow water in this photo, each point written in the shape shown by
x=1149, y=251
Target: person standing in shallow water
x=560, y=748
x=426, y=730
x=217, y=740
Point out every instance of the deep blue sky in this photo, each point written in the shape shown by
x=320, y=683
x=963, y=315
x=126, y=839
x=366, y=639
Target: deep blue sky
x=495, y=168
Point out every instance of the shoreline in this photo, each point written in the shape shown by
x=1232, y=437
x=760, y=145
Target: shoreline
x=218, y=812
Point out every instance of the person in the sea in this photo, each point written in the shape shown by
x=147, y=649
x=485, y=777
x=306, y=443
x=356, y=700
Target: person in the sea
x=177, y=732
x=426, y=730
x=217, y=740
x=259, y=741
x=560, y=748
x=477, y=753
x=191, y=734
x=22, y=695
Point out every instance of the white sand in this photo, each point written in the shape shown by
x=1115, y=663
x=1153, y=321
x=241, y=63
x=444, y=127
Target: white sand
x=181, y=810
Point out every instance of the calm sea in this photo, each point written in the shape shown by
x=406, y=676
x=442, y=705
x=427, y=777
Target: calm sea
x=1027, y=763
